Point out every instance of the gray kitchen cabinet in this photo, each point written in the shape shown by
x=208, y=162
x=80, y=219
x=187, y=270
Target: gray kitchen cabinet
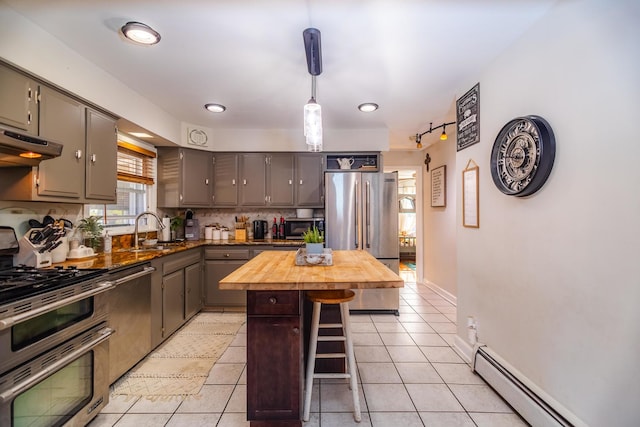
x=185, y=178
x=309, y=181
x=18, y=100
x=280, y=180
x=62, y=118
x=101, y=157
x=176, y=292
x=253, y=179
x=86, y=170
x=225, y=180
x=218, y=263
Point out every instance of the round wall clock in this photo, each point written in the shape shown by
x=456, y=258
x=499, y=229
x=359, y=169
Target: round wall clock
x=523, y=155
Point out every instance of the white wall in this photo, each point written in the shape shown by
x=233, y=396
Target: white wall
x=554, y=279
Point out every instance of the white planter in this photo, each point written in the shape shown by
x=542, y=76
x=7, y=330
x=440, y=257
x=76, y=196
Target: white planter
x=314, y=248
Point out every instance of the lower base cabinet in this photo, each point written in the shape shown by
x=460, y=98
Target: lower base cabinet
x=219, y=263
x=274, y=357
x=176, y=292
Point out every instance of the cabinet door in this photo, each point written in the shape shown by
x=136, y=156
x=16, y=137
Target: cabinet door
x=18, y=105
x=253, y=185
x=192, y=290
x=282, y=401
x=216, y=270
x=172, y=302
x=309, y=183
x=62, y=119
x=225, y=179
x=196, y=177
x=281, y=179
x=101, y=157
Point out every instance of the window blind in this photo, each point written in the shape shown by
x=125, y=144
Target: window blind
x=135, y=164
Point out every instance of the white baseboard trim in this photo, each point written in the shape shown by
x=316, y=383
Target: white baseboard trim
x=442, y=292
x=463, y=349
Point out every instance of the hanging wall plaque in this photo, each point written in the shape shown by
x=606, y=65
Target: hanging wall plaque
x=468, y=118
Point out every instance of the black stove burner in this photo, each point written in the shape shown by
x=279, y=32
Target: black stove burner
x=23, y=281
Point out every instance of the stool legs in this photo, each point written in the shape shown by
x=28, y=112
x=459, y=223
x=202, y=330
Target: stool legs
x=311, y=363
x=351, y=361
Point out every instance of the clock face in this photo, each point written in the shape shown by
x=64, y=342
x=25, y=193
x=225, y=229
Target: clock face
x=523, y=155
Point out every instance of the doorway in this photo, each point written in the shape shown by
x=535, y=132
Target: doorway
x=409, y=221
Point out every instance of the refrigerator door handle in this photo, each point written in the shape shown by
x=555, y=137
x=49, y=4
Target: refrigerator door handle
x=367, y=209
x=357, y=228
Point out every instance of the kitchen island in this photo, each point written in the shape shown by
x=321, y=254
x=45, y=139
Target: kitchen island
x=275, y=334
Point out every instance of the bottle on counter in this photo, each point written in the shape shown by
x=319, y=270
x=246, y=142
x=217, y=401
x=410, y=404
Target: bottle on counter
x=281, y=230
x=107, y=242
x=274, y=229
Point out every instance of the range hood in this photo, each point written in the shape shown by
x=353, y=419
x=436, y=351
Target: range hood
x=18, y=149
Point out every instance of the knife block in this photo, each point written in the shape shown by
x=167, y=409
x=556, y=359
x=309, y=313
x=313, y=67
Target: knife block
x=29, y=255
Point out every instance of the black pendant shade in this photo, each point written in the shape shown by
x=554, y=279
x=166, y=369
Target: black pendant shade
x=313, y=50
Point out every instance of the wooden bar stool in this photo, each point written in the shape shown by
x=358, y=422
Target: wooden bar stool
x=318, y=298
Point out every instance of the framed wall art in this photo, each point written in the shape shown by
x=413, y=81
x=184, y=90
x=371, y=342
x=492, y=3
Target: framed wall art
x=471, y=196
x=468, y=118
x=439, y=186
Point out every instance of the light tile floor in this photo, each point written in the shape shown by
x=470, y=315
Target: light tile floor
x=409, y=376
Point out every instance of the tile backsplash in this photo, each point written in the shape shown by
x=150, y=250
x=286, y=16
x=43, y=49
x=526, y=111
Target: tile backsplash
x=18, y=214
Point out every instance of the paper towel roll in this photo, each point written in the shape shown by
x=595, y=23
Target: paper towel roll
x=166, y=231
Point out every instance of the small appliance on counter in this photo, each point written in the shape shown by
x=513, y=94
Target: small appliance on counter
x=191, y=226
x=260, y=229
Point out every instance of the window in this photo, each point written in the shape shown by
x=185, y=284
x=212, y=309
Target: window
x=136, y=173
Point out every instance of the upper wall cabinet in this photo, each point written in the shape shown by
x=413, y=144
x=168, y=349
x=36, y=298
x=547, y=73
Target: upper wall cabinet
x=185, y=177
x=225, y=180
x=86, y=170
x=18, y=100
x=309, y=181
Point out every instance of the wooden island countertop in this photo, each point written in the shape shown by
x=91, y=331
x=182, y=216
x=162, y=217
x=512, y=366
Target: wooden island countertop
x=277, y=270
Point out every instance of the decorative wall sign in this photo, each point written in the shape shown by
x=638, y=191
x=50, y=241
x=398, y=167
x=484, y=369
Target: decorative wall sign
x=523, y=155
x=471, y=196
x=439, y=186
x=468, y=118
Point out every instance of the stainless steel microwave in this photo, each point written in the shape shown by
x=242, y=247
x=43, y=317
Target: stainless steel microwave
x=294, y=227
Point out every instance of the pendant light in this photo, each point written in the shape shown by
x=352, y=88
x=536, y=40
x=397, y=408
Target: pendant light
x=312, y=110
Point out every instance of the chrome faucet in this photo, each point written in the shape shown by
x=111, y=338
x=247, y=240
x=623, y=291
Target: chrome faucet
x=135, y=232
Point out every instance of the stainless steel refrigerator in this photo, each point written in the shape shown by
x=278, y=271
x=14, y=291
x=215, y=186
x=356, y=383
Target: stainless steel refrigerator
x=361, y=212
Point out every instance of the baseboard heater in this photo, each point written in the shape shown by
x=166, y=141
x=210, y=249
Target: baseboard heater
x=533, y=408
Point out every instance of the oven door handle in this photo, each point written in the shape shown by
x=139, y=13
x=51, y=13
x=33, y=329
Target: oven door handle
x=9, y=321
x=146, y=271
x=8, y=395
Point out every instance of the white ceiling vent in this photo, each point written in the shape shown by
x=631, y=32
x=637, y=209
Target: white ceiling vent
x=196, y=136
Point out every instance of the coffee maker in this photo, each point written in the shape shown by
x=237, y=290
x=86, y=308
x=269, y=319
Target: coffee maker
x=260, y=229
x=191, y=226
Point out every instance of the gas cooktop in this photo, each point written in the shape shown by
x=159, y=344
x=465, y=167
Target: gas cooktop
x=22, y=281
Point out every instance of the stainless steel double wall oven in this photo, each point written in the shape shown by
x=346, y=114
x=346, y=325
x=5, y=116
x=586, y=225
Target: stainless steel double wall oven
x=54, y=351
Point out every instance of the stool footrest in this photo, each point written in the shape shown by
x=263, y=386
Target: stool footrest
x=330, y=355
x=330, y=325
x=331, y=338
x=326, y=376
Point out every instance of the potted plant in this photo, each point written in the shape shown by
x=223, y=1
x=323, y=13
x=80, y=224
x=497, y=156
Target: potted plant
x=314, y=240
x=177, y=227
x=91, y=230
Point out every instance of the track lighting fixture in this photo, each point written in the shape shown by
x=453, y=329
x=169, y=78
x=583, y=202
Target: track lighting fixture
x=312, y=110
x=443, y=135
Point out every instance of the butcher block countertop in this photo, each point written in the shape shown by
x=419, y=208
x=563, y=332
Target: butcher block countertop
x=277, y=270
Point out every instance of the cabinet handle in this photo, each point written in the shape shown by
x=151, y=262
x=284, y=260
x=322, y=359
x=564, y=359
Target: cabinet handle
x=300, y=182
x=273, y=300
x=227, y=255
x=290, y=182
x=29, y=94
x=28, y=117
x=296, y=331
x=78, y=154
x=92, y=158
x=244, y=181
x=233, y=182
x=206, y=181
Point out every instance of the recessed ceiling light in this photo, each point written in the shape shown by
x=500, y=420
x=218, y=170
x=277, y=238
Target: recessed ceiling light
x=368, y=107
x=140, y=134
x=215, y=108
x=140, y=33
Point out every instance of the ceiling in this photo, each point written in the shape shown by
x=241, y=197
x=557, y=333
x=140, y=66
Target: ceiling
x=412, y=57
